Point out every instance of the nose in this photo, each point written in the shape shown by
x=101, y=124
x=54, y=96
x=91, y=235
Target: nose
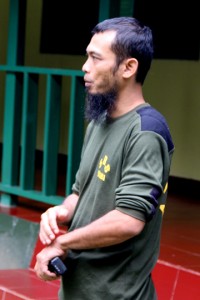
x=85, y=67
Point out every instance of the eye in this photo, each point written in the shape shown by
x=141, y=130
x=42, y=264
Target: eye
x=95, y=57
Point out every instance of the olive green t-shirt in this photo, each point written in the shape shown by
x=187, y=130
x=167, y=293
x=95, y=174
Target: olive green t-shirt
x=125, y=165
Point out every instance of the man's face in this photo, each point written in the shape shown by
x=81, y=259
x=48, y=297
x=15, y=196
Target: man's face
x=101, y=78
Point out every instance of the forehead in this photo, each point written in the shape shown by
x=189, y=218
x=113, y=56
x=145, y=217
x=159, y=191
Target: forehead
x=101, y=42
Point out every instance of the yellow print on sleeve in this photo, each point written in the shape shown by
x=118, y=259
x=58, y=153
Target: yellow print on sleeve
x=162, y=206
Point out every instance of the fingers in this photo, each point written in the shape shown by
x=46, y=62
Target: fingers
x=48, y=226
x=49, y=223
x=42, y=271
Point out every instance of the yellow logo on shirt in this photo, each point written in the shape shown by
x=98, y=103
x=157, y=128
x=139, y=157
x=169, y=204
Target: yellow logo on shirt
x=104, y=168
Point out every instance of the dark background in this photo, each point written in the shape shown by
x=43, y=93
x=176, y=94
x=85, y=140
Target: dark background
x=66, y=26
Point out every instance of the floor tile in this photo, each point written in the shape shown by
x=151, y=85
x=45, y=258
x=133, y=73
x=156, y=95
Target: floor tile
x=21, y=278
x=164, y=278
x=9, y=296
x=26, y=284
x=187, y=286
x=39, y=292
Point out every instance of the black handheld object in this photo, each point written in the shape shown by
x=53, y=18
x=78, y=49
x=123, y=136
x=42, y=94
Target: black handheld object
x=57, y=266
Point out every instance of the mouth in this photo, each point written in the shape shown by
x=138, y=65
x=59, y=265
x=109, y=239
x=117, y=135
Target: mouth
x=87, y=83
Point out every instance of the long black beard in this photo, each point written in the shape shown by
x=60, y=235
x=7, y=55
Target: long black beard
x=99, y=106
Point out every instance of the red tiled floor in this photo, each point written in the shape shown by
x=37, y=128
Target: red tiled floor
x=176, y=283
x=24, y=284
x=176, y=275
x=164, y=278
x=180, y=239
x=5, y=295
x=187, y=286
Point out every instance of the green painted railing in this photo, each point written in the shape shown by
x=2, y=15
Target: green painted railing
x=20, y=132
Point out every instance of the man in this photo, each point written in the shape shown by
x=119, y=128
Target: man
x=116, y=207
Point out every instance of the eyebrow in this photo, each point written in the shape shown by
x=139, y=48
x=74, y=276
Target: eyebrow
x=92, y=52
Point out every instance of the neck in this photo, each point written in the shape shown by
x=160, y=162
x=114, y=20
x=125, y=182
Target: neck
x=127, y=101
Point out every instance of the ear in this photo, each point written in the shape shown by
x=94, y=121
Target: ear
x=130, y=67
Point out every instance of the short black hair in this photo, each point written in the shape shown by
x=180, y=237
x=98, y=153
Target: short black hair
x=133, y=39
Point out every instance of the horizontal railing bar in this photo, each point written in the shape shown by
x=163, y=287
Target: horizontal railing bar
x=31, y=194
x=22, y=69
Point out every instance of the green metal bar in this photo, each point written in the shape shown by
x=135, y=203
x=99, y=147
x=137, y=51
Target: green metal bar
x=126, y=8
x=115, y=8
x=13, y=32
x=13, y=92
x=52, y=130
x=11, y=131
x=30, y=194
x=76, y=130
x=44, y=71
x=29, y=123
x=104, y=9
x=16, y=32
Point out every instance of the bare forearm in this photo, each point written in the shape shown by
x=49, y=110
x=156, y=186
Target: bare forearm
x=70, y=203
x=113, y=228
